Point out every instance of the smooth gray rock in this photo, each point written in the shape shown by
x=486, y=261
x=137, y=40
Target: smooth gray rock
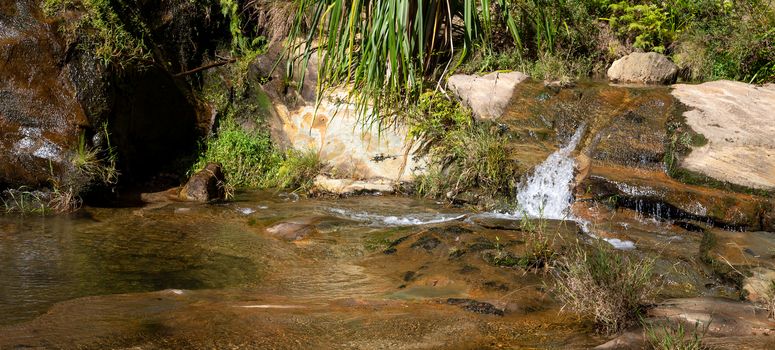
x=738, y=120
x=643, y=68
x=486, y=95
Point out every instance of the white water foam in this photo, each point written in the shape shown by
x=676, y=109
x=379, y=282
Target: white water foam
x=392, y=220
x=547, y=193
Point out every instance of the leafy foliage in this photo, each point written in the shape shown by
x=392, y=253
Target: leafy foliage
x=388, y=51
x=644, y=24
x=297, y=171
x=119, y=38
x=462, y=155
x=248, y=158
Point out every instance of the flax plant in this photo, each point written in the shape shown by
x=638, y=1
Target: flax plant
x=387, y=52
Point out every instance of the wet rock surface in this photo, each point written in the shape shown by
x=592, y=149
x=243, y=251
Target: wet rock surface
x=207, y=185
x=656, y=194
x=40, y=117
x=57, y=97
x=272, y=271
x=726, y=324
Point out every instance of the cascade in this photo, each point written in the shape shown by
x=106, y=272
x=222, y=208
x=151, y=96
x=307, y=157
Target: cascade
x=547, y=193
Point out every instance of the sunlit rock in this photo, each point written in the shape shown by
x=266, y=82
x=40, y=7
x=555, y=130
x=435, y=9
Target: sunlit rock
x=486, y=95
x=349, y=186
x=644, y=68
x=738, y=120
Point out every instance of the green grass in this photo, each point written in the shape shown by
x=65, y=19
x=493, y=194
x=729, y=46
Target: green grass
x=24, y=201
x=675, y=336
x=248, y=158
x=540, y=252
x=297, y=171
x=463, y=155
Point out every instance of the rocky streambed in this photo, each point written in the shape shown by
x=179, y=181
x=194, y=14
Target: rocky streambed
x=275, y=271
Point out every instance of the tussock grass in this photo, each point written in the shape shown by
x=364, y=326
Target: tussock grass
x=606, y=286
x=675, y=336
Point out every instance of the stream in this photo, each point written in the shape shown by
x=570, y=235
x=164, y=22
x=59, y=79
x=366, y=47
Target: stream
x=273, y=270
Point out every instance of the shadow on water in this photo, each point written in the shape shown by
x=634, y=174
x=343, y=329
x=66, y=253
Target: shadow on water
x=48, y=260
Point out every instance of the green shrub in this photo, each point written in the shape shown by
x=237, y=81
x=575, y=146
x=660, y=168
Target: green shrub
x=463, y=155
x=297, y=171
x=644, y=25
x=248, y=158
x=607, y=286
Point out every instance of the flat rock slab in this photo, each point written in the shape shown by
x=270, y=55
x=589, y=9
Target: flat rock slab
x=486, y=95
x=730, y=324
x=738, y=120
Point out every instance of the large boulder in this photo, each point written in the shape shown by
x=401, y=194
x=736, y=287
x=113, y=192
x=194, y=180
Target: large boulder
x=738, y=121
x=358, y=155
x=487, y=95
x=352, y=148
x=40, y=115
x=644, y=68
x=56, y=97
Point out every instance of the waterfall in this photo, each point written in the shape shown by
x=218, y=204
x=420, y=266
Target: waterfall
x=547, y=193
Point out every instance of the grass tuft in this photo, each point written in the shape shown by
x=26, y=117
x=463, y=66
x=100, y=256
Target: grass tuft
x=607, y=286
x=675, y=336
x=463, y=155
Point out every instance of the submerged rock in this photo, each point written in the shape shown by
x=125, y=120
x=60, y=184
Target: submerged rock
x=644, y=68
x=207, y=185
x=428, y=243
x=294, y=229
x=738, y=121
x=486, y=95
x=476, y=306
